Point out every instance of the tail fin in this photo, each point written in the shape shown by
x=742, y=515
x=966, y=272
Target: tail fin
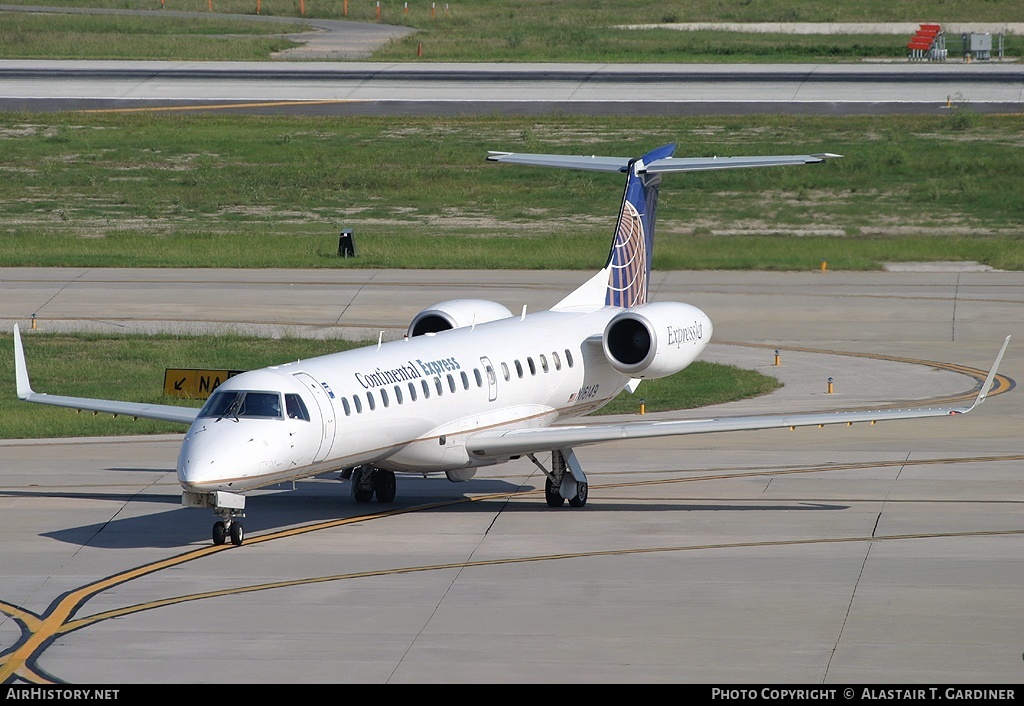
x=629, y=262
x=624, y=279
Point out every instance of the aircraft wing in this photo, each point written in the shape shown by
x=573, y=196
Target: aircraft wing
x=162, y=412
x=521, y=441
x=658, y=166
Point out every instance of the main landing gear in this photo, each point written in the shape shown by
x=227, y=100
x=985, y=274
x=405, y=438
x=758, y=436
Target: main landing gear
x=565, y=480
x=368, y=481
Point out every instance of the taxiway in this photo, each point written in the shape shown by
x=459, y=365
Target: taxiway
x=871, y=554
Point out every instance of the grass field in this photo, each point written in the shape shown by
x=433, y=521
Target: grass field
x=163, y=190
x=583, y=12
x=496, y=30
x=42, y=36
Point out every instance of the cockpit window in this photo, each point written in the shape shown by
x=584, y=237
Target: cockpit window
x=241, y=404
x=295, y=407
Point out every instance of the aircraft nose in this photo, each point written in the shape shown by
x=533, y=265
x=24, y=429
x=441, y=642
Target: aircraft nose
x=198, y=459
x=225, y=454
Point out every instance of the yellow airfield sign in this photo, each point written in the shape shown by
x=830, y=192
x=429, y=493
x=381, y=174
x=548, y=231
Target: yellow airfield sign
x=194, y=383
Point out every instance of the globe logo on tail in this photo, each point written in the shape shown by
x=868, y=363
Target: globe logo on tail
x=627, y=269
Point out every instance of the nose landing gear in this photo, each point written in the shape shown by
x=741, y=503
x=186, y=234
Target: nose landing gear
x=228, y=507
x=228, y=527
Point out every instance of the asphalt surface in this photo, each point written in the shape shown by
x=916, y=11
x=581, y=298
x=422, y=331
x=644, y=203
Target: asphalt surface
x=473, y=89
x=864, y=555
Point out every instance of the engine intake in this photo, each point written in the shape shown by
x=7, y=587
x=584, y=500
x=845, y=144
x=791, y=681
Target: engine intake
x=456, y=313
x=655, y=340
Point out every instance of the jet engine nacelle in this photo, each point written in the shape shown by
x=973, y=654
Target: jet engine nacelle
x=656, y=339
x=456, y=313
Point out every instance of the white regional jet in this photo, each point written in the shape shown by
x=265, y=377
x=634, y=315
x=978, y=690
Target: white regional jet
x=471, y=385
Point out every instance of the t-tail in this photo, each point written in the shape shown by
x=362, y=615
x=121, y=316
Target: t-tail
x=624, y=280
x=629, y=262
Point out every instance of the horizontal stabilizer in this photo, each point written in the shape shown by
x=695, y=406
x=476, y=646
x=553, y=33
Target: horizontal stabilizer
x=594, y=163
x=624, y=281
x=658, y=166
x=702, y=164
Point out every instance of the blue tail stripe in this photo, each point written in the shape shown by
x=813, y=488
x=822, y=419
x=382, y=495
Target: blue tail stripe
x=629, y=263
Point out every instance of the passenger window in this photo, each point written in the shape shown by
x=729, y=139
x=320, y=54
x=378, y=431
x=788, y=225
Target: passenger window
x=533, y=368
x=384, y=397
x=557, y=361
x=398, y=394
x=504, y=371
x=479, y=380
x=296, y=407
x=412, y=392
x=519, y=370
x=359, y=404
x=568, y=357
x=465, y=380
x=370, y=400
x=451, y=383
x=345, y=406
x=490, y=376
x=426, y=389
x=437, y=386
x=543, y=363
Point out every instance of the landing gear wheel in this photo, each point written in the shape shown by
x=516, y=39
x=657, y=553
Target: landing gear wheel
x=580, y=498
x=362, y=484
x=551, y=494
x=228, y=526
x=363, y=496
x=219, y=533
x=384, y=486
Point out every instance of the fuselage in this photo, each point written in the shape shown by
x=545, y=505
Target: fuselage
x=405, y=405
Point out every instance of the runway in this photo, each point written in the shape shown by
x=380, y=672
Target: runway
x=306, y=84
x=863, y=555
x=360, y=88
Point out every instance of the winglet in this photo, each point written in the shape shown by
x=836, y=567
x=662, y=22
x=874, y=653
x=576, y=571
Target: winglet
x=987, y=385
x=20, y=370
